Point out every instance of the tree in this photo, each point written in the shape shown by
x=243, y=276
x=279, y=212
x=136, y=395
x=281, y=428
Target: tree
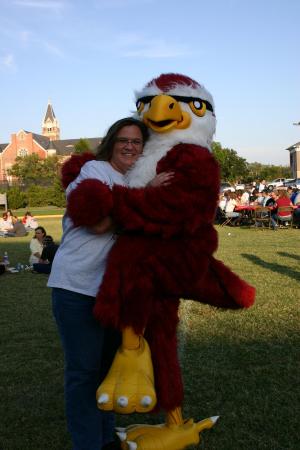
x=82, y=146
x=269, y=172
x=233, y=167
x=31, y=169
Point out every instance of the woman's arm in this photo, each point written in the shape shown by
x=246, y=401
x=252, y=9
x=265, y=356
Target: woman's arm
x=103, y=226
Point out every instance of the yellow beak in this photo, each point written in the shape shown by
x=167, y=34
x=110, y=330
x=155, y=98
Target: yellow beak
x=165, y=114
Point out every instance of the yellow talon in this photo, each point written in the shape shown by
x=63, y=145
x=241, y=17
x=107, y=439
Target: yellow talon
x=129, y=384
x=164, y=436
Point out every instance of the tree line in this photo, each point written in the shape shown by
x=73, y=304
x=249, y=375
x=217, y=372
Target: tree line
x=38, y=180
x=237, y=169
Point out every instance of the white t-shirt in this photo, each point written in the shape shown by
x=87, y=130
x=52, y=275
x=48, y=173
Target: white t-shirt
x=35, y=247
x=230, y=205
x=80, y=260
x=245, y=198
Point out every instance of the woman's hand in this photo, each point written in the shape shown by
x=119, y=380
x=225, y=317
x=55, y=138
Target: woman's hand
x=162, y=179
x=103, y=226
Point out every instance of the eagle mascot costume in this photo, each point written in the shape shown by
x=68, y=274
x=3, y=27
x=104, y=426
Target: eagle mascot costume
x=164, y=252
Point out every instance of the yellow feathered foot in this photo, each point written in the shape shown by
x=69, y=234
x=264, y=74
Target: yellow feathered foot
x=129, y=384
x=169, y=436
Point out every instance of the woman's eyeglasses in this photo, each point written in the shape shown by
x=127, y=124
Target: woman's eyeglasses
x=124, y=141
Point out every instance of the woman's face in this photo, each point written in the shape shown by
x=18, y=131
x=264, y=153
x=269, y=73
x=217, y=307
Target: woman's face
x=39, y=235
x=127, y=148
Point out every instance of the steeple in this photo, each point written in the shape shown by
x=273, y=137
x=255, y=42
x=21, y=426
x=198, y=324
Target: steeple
x=50, y=125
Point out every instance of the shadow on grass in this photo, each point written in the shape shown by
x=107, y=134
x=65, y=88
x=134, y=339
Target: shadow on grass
x=289, y=255
x=244, y=383
x=274, y=267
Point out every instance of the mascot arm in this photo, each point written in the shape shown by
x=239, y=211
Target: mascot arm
x=82, y=201
x=183, y=206
x=71, y=168
x=89, y=203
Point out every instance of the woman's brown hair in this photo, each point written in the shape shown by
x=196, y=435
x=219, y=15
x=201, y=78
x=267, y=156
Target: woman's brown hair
x=282, y=193
x=105, y=148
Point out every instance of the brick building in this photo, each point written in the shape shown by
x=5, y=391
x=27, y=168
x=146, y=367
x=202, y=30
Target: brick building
x=46, y=144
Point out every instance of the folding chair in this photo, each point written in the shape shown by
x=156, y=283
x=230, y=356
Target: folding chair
x=262, y=217
x=227, y=220
x=285, y=219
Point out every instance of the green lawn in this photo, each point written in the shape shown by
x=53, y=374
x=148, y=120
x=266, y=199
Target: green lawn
x=243, y=366
x=39, y=211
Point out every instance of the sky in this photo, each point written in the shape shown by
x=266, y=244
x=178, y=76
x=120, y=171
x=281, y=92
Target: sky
x=89, y=56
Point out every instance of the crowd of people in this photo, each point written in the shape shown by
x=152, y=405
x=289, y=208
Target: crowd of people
x=12, y=226
x=42, y=247
x=231, y=205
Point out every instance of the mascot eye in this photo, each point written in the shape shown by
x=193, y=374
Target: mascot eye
x=198, y=107
x=140, y=106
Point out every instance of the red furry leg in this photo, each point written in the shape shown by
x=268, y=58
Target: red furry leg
x=161, y=336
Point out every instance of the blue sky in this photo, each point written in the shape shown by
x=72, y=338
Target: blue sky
x=88, y=57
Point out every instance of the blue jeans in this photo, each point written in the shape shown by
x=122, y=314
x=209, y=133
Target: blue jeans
x=88, y=350
x=42, y=268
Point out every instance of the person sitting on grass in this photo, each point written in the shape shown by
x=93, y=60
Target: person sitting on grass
x=29, y=221
x=36, y=245
x=45, y=262
x=5, y=224
x=18, y=229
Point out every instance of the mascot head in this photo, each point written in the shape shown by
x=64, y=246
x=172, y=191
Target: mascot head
x=178, y=109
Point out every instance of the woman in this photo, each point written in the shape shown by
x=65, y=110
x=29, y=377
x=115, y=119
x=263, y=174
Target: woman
x=229, y=208
x=282, y=216
x=45, y=262
x=5, y=224
x=29, y=221
x=36, y=245
x=76, y=275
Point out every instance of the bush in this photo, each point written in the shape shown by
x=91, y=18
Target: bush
x=43, y=196
x=37, y=195
x=57, y=195
x=16, y=198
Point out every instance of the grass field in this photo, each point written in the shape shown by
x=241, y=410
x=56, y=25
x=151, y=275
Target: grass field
x=39, y=211
x=243, y=366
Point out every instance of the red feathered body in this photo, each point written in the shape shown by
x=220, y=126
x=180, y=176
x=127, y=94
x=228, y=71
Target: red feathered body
x=164, y=253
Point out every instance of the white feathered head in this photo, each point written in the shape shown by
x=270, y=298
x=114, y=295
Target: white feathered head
x=178, y=109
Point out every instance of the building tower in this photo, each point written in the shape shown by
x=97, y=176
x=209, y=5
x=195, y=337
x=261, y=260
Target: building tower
x=50, y=125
